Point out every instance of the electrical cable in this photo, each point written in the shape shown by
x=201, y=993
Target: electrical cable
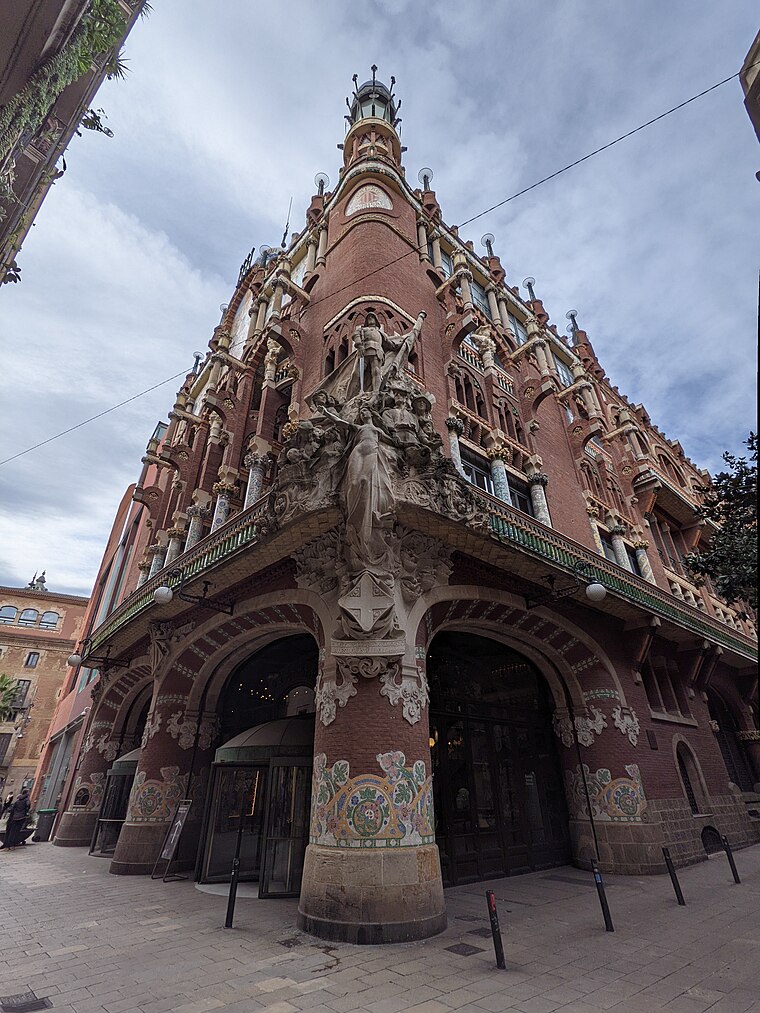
x=100, y=415
x=415, y=249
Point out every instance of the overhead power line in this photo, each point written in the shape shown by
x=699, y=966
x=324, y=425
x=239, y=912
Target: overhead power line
x=383, y=267
x=100, y=415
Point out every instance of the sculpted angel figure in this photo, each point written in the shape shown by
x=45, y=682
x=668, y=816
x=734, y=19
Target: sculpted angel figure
x=367, y=489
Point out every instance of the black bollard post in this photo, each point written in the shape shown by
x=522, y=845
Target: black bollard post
x=730, y=857
x=234, y=877
x=608, y=926
x=496, y=931
x=673, y=876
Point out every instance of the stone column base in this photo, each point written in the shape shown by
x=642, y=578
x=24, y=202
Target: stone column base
x=138, y=848
x=75, y=829
x=372, y=895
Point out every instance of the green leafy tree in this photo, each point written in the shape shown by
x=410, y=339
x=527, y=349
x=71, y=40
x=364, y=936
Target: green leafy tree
x=8, y=690
x=730, y=558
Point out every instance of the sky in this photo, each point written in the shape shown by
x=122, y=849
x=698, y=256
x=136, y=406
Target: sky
x=230, y=109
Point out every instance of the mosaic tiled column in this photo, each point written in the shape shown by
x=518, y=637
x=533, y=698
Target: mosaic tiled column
x=618, y=546
x=99, y=749
x=157, y=552
x=499, y=474
x=372, y=871
x=174, y=548
x=537, y=484
x=223, y=492
x=160, y=782
x=196, y=514
x=255, y=464
x=640, y=548
x=143, y=569
x=455, y=427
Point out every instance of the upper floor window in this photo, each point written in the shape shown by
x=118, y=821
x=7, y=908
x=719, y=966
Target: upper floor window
x=521, y=335
x=564, y=372
x=49, y=620
x=477, y=472
x=480, y=298
x=22, y=688
x=520, y=493
x=31, y=659
x=28, y=617
x=8, y=614
x=606, y=541
x=447, y=264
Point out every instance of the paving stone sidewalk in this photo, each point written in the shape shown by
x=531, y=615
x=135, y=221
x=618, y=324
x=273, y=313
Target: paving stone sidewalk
x=94, y=942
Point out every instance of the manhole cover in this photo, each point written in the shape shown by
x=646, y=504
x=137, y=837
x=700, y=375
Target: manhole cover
x=24, y=1002
x=485, y=933
x=464, y=949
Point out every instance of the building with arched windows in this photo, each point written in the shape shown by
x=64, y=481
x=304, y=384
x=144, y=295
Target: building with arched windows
x=38, y=630
x=398, y=600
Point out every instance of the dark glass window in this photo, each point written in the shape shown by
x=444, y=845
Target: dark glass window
x=520, y=493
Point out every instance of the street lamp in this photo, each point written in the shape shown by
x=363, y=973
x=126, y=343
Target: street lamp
x=595, y=591
x=164, y=594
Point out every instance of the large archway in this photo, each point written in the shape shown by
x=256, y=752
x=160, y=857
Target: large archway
x=499, y=799
x=261, y=777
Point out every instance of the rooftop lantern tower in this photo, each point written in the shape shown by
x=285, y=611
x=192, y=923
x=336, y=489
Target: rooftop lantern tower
x=372, y=122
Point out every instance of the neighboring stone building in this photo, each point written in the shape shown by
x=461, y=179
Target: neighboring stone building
x=54, y=55
x=401, y=589
x=38, y=630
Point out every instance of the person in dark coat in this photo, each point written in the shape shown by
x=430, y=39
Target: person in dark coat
x=8, y=803
x=17, y=819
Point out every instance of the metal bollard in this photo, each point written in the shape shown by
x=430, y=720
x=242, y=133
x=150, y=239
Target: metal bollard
x=730, y=857
x=234, y=878
x=673, y=876
x=608, y=926
x=496, y=931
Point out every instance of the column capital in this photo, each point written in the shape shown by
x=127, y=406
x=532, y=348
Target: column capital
x=144, y=566
x=499, y=452
x=618, y=529
x=642, y=543
x=454, y=425
x=223, y=489
x=539, y=478
x=254, y=460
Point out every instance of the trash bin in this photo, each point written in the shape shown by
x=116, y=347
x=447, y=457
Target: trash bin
x=45, y=821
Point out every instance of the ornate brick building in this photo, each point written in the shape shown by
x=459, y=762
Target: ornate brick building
x=401, y=590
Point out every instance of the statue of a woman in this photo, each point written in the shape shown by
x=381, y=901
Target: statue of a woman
x=367, y=490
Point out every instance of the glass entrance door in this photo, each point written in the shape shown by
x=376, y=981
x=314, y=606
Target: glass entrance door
x=287, y=831
x=239, y=801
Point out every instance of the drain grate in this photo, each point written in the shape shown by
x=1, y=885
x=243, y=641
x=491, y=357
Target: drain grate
x=23, y=1002
x=464, y=949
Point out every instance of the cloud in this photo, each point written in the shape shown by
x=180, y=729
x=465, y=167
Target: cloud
x=230, y=110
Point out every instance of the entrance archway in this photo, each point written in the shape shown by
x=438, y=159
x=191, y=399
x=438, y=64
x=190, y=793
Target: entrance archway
x=499, y=799
x=261, y=776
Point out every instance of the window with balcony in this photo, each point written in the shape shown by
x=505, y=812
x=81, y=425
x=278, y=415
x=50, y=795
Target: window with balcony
x=22, y=689
x=563, y=372
x=520, y=493
x=8, y=614
x=521, y=335
x=28, y=617
x=480, y=298
x=49, y=620
x=477, y=471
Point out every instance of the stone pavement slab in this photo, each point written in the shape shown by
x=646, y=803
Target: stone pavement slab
x=95, y=943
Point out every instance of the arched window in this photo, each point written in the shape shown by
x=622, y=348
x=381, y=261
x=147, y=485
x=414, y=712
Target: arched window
x=8, y=614
x=28, y=617
x=49, y=620
x=692, y=785
x=329, y=362
x=343, y=350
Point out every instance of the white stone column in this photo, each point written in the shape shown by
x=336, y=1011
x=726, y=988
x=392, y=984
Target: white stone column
x=499, y=474
x=255, y=464
x=322, y=247
x=537, y=484
x=158, y=554
x=618, y=546
x=196, y=513
x=504, y=314
x=542, y=356
x=493, y=305
x=422, y=241
x=311, y=253
x=455, y=427
x=435, y=240
x=223, y=492
x=640, y=548
x=465, y=277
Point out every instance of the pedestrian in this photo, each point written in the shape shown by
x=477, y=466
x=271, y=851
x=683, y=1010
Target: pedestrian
x=8, y=803
x=17, y=819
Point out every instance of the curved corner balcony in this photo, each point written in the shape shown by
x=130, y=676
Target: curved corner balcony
x=535, y=548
